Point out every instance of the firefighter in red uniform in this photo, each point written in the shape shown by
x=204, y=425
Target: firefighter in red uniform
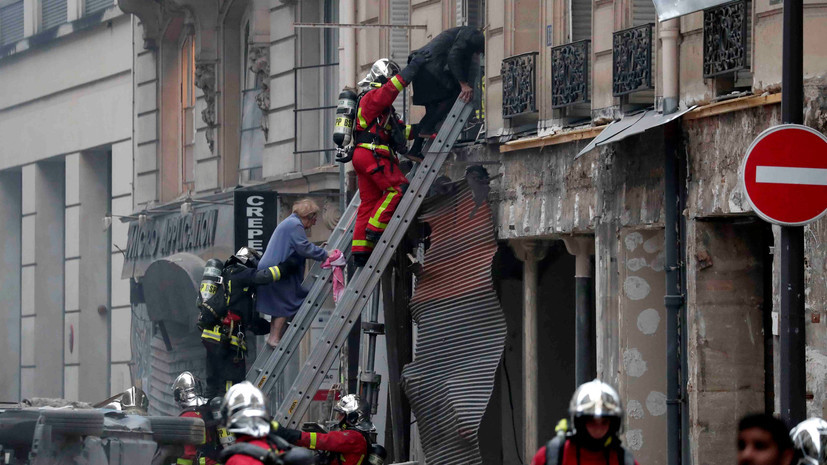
x=378, y=135
x=596, y=416
x=351, y=445
x=244, y=413
x=186, y=390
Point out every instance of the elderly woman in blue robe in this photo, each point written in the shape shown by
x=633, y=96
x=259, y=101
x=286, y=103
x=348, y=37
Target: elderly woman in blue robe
x=282, y=299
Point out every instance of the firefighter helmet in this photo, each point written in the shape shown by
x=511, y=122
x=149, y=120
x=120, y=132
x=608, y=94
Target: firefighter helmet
x=810, y=442
x=595, y=399
x=244, y=411
x=186, y=390
x=353, y=410
x=382, y=70
x=247, y=256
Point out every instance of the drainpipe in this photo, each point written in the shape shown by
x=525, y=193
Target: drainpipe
x=674, y=298
x=584, y=348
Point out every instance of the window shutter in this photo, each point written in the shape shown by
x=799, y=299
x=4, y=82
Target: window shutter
x=469, y=13
x=581, y=20
x=53, y=13
x=97, y=5
x=400, y=13
x=11, y=23
x=643, y=12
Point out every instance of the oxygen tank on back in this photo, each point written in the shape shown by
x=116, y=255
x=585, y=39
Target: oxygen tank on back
x=345, y=114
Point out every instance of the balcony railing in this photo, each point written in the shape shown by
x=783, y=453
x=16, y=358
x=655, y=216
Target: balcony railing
x=725, y=38
x=519, y=84
x=570, y=74
x=632, y=60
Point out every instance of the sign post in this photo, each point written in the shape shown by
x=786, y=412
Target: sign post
x=256, y=216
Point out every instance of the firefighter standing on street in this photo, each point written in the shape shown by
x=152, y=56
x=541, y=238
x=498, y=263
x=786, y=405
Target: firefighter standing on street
x=351, y=445
x=186, y=390
x=226, y=316
x=596, y=416
x=378, y=136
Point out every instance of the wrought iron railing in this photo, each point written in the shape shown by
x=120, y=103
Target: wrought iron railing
x=632, y=60
x=519, y=84
x=725, y=38
x=570, y=74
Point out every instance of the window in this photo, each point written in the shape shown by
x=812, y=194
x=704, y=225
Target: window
x=571, y=67
x=97, y=5
x=11, y=23
x=252, y=90
x=52, y=13
x=187, y=112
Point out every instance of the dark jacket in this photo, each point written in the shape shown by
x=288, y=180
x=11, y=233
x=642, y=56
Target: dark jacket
x=451, y=52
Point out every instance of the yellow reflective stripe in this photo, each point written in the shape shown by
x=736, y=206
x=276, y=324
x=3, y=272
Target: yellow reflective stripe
x=183, y=462
x=312, y=441
x=374, y=147
x=202, y=460
x=382, y=208
x=375, y=223
x=214, y=333
x=361, y=243
x=362, y=122
x=228, y=385
x=407, y=131
x=361, y=457
x=234, y=341
x=229, y=291
x=397, y=84
x=274, y=270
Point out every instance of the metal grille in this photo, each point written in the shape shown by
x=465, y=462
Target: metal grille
x=519, y=84
x=725, y=38
x=11, y=23
x=97, y=5
x=570, y=74
x=449, y=385
x=53, y=13
x=632, y=60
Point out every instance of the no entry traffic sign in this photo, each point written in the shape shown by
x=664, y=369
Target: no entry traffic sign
x=784, y=174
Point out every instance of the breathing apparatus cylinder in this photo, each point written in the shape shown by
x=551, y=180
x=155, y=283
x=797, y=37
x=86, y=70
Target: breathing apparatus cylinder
x=377, y=454
x=211, y=278
x=345, y=114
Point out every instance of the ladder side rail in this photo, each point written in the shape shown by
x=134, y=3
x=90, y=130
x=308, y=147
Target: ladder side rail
x=319, y=281
x=362, y=286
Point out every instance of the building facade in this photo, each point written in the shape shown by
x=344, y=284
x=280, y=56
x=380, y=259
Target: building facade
x=65, y=166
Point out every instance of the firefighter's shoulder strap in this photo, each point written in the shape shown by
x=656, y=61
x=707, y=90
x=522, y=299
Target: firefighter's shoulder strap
x=265, y=456
x=554, y=450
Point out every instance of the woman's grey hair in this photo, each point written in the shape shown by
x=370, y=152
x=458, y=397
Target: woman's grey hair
x=305, y=208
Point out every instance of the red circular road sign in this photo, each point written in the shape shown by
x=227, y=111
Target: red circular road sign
x=784, y=174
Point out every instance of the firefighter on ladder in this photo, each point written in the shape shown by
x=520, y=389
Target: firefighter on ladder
x=378, y=135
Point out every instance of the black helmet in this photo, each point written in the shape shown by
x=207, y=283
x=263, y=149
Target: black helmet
x=247, y=256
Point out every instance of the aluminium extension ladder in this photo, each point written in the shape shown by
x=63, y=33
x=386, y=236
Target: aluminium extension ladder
x=270, y=364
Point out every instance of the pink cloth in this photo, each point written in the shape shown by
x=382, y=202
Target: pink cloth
x=336, y=260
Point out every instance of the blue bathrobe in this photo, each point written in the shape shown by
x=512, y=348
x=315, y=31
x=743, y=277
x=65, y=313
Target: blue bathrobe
x=289, y=241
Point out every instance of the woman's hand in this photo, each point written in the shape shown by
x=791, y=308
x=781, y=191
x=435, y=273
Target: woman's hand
x=466, y=92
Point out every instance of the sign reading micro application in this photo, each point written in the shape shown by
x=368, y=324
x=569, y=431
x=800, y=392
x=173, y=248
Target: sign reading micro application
x=256, y=215
x=784, y=175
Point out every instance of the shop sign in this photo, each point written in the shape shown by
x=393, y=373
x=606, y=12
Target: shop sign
x=256, y=216
x=171, y=234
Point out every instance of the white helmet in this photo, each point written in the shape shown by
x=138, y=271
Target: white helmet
x=186, y=390
x=595, y=399
x=382, y=68
x=810, y=442
x=244, y=411
x=353, y=409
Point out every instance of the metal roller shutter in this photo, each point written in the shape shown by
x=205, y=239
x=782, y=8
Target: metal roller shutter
x=97, y=5
x=581, y=20
x=643, y=12
x=53, y=13
x=11, y=23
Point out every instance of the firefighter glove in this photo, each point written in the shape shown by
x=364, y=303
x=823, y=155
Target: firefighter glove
x=416, y=61
x=290, y=435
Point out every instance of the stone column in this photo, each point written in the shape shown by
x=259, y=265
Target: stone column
x=529, y=252
x=583, y=248
x=10, y=218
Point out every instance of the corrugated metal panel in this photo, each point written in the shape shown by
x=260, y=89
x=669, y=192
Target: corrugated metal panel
x=461, y=330
x=581, y=20
x=11, y=23
x=96, y=5
x=643, y=12
x=53, y=13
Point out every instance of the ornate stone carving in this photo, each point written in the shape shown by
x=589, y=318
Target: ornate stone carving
x=570, y=74
x=205, y=80
x=259, y=57
x=632, y=60
x=519, y=84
